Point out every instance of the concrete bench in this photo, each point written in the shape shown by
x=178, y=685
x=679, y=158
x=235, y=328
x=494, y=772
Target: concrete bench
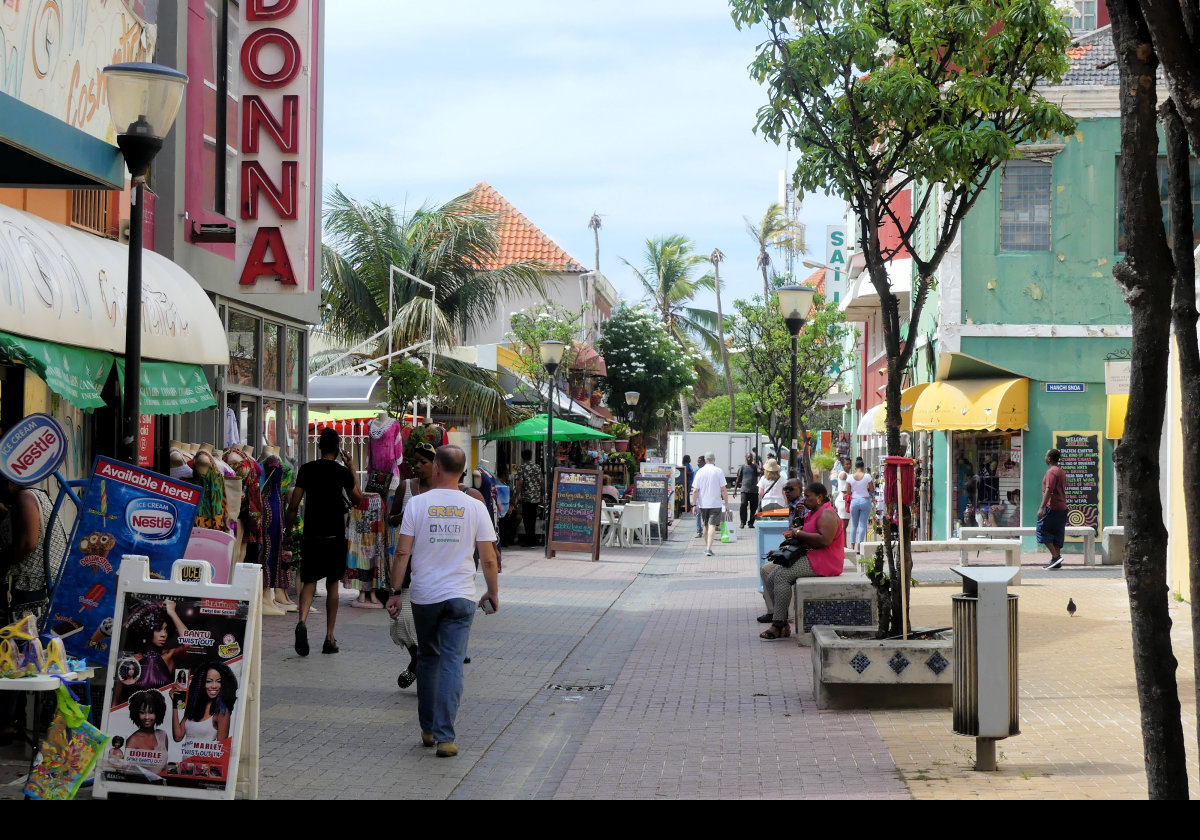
x=848, y=599
x=1011, y=549
x=1112, y=545
x=1088, y=534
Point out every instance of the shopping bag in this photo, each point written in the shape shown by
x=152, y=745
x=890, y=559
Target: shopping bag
x=725, y=531
x=68, y=753
x=730, y=528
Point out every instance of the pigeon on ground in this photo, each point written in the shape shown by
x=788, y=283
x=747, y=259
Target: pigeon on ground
x=1071, y=606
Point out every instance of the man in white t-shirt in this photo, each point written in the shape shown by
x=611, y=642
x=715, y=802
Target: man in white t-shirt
x=440, y=530
x=711, y=497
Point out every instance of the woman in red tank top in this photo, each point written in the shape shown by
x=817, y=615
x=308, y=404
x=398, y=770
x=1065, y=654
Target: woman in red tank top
x=825, y=537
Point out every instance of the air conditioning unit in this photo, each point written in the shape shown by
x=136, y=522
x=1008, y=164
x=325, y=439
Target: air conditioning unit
x=123, y=232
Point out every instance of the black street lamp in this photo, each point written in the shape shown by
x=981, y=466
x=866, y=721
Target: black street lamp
x=631, y=400
x=795, y=302
x=143, y=100
x=757, y=422
x=551, y=353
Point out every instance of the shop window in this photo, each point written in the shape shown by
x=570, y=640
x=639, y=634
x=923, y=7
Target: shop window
x=243, y=349
x=292, y=439
x=1163, y=198
x=1025, y=193
x=272, y=343
x=295, y=361
x=270, y=424
x=247, y=417
x=987, y=479
x=220, y=83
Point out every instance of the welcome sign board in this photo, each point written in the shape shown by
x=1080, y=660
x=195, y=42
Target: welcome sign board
x=575, y=512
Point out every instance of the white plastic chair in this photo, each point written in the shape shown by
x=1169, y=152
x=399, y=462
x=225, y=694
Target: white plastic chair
x=652, y=526
x=635, y=521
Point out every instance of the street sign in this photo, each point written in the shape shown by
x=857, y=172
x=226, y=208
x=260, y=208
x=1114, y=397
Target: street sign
x=1066, y=387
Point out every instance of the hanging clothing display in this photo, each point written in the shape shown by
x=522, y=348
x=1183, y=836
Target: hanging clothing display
x=233, y=435
x=250, y=512
x=213, y=511
x=367, y=560
x=386, y=444
x=271, y=534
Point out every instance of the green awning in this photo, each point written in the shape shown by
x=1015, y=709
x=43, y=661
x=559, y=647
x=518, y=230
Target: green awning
x=170, y=387
x=73, y=372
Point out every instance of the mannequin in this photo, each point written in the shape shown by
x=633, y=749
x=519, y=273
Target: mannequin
x=212, y=512
x=387, y=450
x=271, y=534
x=180, y=468
x=268, y=451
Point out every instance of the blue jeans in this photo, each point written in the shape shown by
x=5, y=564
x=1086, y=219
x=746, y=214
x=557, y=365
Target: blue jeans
x=860, y=514
x=442, y=632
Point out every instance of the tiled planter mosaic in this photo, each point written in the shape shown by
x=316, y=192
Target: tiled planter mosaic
x=854, y=670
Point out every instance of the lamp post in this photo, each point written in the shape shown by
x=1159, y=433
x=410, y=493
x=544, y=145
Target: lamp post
x=757, y=422
x=795, y=302
x=143, y=100
x=551, y=353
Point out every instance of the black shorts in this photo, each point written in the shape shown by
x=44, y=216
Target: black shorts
x=1052, y=529
x=323, y=558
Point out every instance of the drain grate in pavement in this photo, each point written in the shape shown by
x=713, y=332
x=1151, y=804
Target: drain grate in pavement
x=561, y=687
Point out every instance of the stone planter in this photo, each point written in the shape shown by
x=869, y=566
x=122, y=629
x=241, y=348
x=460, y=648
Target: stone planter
x=854, y=670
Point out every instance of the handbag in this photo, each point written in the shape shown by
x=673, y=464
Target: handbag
x=378, y=482
x=787, y=554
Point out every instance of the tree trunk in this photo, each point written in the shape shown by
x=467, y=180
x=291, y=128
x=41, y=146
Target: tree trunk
x=685, y=419
x=763, y=263
x=1183, y=316
x=716, y=258
x=1144, y=276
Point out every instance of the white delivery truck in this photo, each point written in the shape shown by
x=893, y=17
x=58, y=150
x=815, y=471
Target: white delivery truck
x=730, y=448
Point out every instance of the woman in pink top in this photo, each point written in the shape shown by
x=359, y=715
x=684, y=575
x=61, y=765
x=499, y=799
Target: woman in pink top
x=825, y=537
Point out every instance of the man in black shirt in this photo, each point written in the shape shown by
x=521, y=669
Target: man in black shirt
x=323, y=553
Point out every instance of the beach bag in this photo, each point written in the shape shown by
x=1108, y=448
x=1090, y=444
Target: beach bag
x=378, y=481
x=68, y=753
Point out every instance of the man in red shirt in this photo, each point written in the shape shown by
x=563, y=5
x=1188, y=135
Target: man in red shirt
x=1052, y=512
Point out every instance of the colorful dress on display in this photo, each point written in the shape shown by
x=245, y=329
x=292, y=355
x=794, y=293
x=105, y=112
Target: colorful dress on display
x=212, y=512
x=251, y=513
x=367, y=561
x=386, y=444
x=271, y=534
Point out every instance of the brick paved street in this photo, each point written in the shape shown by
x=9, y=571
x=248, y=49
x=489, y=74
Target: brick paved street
x=642, y=676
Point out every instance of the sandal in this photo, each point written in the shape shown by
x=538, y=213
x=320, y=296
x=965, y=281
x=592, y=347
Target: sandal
x=777, y=630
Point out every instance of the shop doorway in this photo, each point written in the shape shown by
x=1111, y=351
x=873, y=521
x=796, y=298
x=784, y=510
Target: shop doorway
x=986, y=479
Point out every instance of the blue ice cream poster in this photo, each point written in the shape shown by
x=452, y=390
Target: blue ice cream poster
x=127, y=510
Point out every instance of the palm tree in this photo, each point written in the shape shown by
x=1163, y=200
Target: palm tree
x=669, y=285
x=594, y=226
x=775, y=230
x=715, y=258
x=448, y=246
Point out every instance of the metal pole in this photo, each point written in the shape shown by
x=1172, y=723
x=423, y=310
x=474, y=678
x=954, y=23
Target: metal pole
x=793, y=463
x=549, y=454
x=131, y=403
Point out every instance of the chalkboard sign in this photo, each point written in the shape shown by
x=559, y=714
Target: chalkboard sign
x=575, y=512
x=1081, y=454
x=654, y=488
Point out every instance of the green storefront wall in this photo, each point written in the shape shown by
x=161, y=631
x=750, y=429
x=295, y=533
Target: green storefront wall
x=1041, y=360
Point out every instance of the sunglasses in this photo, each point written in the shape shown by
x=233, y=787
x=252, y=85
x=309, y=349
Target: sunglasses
x=426, y=451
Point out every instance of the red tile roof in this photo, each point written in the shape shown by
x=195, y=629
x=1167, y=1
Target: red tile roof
x=520, y=238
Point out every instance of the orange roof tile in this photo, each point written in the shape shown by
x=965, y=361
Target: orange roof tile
x=520, y=239
x=816, y=280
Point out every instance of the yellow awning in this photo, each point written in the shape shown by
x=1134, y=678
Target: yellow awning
x=1114, y=426
x=973, y=404
x=908, y=401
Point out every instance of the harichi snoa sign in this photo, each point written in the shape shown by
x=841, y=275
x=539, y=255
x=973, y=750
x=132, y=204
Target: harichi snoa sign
x=277, y=217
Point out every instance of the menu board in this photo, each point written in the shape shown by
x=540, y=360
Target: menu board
x=654, y=488
x=127, y=510
x=575, y=512
x=1080, y=459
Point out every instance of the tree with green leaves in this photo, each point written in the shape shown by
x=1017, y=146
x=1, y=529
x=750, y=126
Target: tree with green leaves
x=713, y=416
x=529, y=328
x=669, y=281
x=880, y=97
x=775, y=230
x=640, y=355
x=446, y=246
x=762, y=348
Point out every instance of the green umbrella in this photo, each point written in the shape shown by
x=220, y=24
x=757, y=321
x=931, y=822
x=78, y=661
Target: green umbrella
x=535, y=429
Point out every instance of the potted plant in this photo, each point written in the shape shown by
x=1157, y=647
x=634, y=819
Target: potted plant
x=620, y=431
x=821, y=463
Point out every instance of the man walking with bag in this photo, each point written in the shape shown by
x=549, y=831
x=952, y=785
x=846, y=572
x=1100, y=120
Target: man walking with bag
x=747, y=480
x=711, y=498
x=440, y=530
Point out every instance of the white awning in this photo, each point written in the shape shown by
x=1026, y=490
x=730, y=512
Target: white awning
x=866, y=424
x=861, y=300
x=61, y=285
x=333, y=392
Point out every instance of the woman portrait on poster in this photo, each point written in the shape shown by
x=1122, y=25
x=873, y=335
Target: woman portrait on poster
x=147, y=710
x=203, y=713
x=151, y=630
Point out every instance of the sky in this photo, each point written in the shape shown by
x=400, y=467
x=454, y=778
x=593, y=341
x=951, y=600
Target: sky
x=641, y=111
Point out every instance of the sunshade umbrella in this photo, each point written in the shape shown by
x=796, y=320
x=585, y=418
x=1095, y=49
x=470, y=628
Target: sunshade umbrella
x=535, y=429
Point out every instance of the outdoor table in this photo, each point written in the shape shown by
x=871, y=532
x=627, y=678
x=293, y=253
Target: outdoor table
x=611, y=517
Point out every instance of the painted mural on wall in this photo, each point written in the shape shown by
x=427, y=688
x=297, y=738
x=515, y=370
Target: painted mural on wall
x=52, y=52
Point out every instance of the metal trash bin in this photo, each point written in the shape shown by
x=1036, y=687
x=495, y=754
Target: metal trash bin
x=985, y=699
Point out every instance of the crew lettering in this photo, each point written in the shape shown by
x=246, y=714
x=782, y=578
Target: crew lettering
x=446, y=510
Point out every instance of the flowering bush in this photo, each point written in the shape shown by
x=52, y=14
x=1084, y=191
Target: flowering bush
x=640, y=356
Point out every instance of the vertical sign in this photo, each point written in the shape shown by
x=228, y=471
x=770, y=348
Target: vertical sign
x=654, y=488
x=277, y=62
x=837, y=257
x=126, y=510
x=1081, y=455
x=145, y=440
x=574, y=512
